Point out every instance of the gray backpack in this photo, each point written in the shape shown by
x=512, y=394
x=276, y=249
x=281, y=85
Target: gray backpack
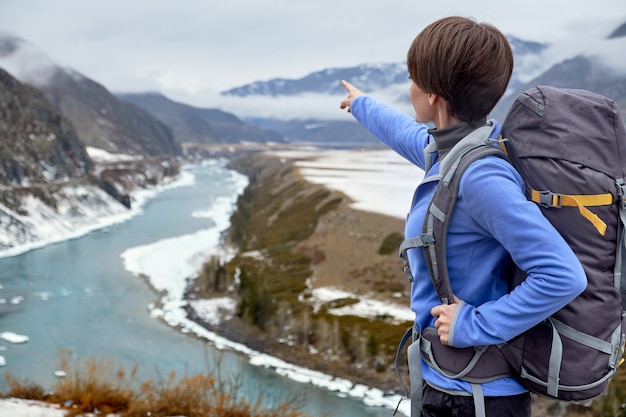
x=569, y=146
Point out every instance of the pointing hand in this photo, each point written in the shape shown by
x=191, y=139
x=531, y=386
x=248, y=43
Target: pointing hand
x=353, y=93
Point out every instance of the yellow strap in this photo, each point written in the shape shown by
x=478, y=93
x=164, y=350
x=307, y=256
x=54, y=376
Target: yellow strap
x=582, y=202
x=502, y=145
x=573, y=200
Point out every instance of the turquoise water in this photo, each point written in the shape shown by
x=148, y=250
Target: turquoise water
x=77, y=296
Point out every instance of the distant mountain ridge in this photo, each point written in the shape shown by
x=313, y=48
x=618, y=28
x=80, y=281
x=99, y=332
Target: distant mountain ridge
x=370, y=77
x=373, y=76
x=152, y=124
x=389, y=82
x=197, y=125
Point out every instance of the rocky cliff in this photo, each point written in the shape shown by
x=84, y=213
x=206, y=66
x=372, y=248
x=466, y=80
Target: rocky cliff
x=99, y=118
x=51, y=188
x=37, y=145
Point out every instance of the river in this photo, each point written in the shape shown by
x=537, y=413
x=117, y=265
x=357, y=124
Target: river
x=77, y=296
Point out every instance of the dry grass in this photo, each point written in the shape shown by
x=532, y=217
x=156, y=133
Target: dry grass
x=101, y=387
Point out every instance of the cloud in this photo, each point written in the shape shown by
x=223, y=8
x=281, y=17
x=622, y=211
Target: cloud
x=302, y=107
x=607, y=51
x=193, y=46
x=27, y=62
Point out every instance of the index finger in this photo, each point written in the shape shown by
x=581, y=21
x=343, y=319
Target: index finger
x=349, y=87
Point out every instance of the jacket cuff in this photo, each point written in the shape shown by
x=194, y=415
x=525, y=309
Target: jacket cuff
x=453, y=323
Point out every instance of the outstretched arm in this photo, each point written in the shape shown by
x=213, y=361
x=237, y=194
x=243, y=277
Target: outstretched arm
x=397, y=130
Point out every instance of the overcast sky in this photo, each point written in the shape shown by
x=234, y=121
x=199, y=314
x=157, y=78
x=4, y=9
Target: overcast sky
x=195, y=48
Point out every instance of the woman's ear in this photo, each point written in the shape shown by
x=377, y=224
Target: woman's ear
x=432, y=98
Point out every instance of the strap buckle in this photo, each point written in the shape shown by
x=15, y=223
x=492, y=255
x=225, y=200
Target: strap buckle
x=621, y=192
x=420, y=241
x=407, y=271
x=548, y=199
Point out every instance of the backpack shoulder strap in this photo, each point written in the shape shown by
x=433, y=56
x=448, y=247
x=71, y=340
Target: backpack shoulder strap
x=620, y=266
x=435, y=227
x=437, y=219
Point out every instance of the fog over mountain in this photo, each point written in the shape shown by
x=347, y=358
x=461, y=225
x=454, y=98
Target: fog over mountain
x=100, y=119
x=196, y=125
x=305, y=109
x=142, y=124
x=316, y=96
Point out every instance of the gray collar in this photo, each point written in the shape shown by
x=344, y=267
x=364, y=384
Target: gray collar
x=447, y=137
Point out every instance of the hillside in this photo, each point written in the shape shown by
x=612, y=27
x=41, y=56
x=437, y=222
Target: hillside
x=293, y=237
x=99, y=118
x=37, y=145
x=198, y=125
x=51, y=187
x=103, y=121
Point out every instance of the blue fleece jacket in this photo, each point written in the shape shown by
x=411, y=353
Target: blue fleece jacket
x=492, y=219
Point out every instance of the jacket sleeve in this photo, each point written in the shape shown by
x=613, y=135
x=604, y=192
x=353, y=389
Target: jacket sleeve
x=397, y=130
x=494, y=194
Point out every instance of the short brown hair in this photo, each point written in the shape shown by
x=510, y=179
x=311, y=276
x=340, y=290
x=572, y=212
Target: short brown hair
x=469, y=64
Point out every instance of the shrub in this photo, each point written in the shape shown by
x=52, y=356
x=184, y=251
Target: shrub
x=390, y=243
x=93, y=385
x=100, y=387
x=24, y=389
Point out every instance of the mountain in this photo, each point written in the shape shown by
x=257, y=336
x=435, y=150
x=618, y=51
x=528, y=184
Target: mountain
x=620, y=32
x=374, y=77
x=577, y=72
x=388, y=79
x=387, y=82
x=371, y=77
x=37, y=145
x=52, y=188
x=49, y=190
x=198, y=125
x=103, y=121
x=528, y=61
x=100, y=119
x=594, y=69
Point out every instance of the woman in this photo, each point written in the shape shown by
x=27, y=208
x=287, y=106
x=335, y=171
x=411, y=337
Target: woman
x=459, y=69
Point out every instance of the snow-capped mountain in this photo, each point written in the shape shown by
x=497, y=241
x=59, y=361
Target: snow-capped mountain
x=370, y=77
x=378, y=77
x=595, y=65
x=320, y=92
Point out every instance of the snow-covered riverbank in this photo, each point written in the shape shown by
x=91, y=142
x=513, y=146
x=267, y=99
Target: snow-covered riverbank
x=81, y=210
